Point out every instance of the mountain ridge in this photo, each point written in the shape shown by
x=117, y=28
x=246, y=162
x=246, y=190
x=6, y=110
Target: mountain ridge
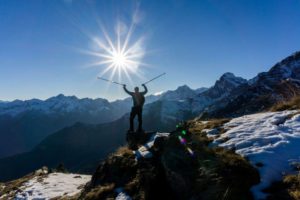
x=280, y=83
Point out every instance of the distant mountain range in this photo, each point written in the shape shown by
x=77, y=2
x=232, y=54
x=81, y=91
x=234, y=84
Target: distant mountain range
x=23, y=124
x=82, y=145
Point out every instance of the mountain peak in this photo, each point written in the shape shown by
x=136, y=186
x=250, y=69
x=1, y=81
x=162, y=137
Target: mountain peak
x=229, y=78
x=183, y=87
x=224, y=85
x=182, y=92
x=62, y=98
x=228, y=75
x=60, y=95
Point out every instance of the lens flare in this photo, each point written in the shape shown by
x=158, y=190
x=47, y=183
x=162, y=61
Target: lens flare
x=122, y=56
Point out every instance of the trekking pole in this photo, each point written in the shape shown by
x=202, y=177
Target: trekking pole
x=110, y=81
x=154, y=78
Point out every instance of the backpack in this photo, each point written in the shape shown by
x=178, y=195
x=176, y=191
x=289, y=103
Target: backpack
x=139, y=99
x=142, y=100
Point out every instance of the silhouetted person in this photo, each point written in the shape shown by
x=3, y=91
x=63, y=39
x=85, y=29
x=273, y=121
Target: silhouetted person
x=137, y=109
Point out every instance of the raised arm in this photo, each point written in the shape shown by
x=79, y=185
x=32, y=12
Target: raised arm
x=146, y=89
x=127, y=91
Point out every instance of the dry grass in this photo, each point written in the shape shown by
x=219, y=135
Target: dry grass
x=293, y=183
x=12, y=187
x=287, y=189
x=101, y=192
x=123, y=150
x=293, y=104
x=196, y=126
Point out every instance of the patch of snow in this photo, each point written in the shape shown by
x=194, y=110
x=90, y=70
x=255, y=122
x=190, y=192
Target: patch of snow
x=271, y=139
x=158, y=93
x=53, y=186
x=293, y=80
x=211, y=132
x=204, y=122
x=143, y=151
x=122, y=195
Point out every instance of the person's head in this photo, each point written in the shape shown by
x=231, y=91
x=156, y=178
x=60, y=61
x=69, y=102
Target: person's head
x=136, y=89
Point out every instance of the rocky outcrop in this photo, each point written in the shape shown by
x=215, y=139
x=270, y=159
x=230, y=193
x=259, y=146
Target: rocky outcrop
x=182, y=167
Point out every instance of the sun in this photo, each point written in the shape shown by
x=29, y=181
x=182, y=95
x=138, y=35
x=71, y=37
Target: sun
x=119, y=59
x=121, y=56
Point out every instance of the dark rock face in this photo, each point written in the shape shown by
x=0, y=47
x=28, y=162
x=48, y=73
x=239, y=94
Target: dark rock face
x=179, y=169
x=117, y=169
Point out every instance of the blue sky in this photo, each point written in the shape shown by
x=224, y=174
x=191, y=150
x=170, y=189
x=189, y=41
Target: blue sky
x=193, y=41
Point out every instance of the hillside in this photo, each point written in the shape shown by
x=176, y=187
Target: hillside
x=191, y=162
x=86, y=143
x=171, y=172
x=250, y=157
x=79, y=147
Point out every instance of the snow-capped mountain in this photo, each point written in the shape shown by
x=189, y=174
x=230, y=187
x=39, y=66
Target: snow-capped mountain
x=58, y=104
x=185, y=103
x=181, y=93
x=23, y=124
x=287, y=68
x=280, y=83
x=224, y=86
